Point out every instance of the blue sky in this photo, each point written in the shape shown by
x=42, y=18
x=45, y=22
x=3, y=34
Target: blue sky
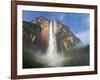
x=77, y=22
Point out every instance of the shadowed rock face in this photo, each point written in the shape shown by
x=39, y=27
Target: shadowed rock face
x=65, y=38
x=36, y=33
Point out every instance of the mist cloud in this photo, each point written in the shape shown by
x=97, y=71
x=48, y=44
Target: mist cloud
x=84, y=37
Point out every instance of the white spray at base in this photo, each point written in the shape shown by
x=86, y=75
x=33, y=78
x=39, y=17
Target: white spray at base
x=52, y=57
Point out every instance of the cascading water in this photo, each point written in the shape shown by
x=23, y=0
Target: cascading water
x=52, y=47
x=52, y=57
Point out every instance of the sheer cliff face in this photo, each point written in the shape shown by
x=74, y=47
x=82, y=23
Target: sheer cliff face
x=44, y=29
x=65, y=38
x=36, y=33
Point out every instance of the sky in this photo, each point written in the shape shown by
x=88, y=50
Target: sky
x=77, y=22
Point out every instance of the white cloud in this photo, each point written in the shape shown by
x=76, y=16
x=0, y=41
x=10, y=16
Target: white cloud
x=84, y=37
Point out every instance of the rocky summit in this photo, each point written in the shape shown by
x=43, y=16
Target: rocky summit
x=36, y=35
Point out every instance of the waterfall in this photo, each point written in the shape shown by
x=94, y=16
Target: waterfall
x=52, y=46
x=52, y=57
